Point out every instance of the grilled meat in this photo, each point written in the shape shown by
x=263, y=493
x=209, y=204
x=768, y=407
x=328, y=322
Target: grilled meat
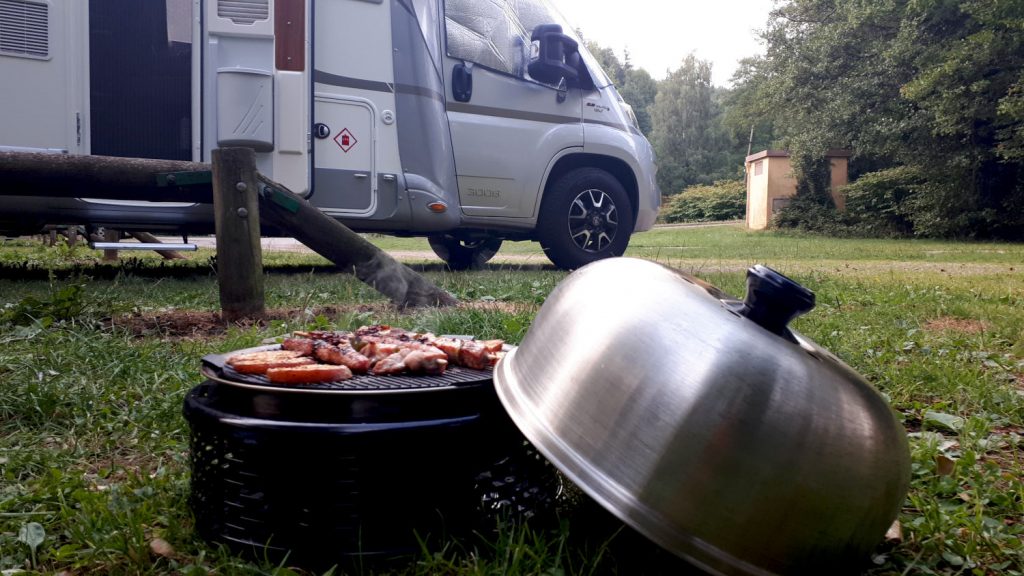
x=343, y=355
x=301, y=345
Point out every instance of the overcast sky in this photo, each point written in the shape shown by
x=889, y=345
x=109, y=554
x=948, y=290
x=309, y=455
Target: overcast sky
x=660, y=33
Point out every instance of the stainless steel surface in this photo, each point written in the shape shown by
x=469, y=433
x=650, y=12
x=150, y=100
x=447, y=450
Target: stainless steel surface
x=722, y=442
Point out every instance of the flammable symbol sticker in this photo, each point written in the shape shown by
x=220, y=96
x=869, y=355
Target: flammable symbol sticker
x=345, y=140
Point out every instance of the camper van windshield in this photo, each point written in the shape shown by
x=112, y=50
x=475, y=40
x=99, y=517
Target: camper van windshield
x=496, y=34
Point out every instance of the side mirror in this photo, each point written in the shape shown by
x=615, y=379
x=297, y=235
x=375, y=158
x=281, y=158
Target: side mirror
x=558, y=57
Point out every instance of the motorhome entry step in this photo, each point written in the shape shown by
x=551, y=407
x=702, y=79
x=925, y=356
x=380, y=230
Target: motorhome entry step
x=181, y=247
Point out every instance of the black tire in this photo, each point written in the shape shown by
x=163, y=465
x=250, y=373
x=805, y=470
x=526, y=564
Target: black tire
x=464, y=254
x=585, y=216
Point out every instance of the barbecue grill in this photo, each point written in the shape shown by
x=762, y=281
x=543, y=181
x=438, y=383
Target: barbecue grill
x=370, y=466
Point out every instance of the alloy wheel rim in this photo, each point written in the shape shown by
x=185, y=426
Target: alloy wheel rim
x=593, y=220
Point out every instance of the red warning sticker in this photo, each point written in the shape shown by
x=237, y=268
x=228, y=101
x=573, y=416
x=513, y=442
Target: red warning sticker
x=345, y=140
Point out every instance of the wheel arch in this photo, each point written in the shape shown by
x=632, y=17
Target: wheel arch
x=619, y=169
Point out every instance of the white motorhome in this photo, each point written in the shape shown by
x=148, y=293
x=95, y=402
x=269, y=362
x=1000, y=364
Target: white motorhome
x=465, y=121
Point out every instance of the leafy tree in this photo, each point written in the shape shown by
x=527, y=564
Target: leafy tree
x=684, y=134
x=609, y=61
x=635, y=85
x=934, y=85
x=744, y=119
x=639, y=91
x=693, y=144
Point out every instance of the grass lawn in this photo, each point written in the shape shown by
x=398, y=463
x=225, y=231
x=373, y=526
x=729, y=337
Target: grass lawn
x=94, y=450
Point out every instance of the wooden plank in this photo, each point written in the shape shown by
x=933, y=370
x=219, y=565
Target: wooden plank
x=68, y=176
x=114, y=178
x=147, y=238
x=349, y=251
x=237, y=220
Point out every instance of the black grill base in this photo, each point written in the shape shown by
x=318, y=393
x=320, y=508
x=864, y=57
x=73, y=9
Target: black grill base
x=364, y=482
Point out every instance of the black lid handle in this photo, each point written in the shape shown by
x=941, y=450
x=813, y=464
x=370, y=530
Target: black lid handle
x=773, y=300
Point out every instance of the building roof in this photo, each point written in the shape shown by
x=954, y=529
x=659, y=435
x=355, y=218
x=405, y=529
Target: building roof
x=833, y=153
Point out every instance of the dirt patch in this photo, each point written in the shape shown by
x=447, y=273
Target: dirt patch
x=175, y=324
x=504, y=307
x=961, y=325
x=201, y=324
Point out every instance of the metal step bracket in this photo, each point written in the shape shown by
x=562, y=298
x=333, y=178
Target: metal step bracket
x=177, y=247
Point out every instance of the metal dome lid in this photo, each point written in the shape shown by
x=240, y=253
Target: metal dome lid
x=706, y=423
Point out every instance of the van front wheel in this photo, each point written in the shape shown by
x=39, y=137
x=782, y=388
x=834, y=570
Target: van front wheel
x=585, y=216
x=464, y=254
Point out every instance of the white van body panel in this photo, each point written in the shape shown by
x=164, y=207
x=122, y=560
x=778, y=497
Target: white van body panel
x=352, y=57
x=501, y=137
x=609, y=130
x=44, y=93
x=369, y=126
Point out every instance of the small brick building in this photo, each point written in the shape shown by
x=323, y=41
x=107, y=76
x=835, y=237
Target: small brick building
x=771, y=185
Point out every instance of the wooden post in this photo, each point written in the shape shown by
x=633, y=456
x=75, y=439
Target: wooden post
x=237, y=222
x=110, y=235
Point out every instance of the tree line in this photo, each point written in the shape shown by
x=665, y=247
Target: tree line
x=927, y=94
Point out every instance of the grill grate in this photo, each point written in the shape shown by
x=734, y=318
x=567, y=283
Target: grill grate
x=453, y=376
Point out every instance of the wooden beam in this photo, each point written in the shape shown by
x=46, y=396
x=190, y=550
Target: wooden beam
x=69, y=176
x=115, y=178
x=148, y=238
x=237, y=220
x=349, y=251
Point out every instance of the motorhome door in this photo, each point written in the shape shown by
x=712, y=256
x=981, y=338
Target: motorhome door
x=352, y=88
x=506, y=127
x=256, y=78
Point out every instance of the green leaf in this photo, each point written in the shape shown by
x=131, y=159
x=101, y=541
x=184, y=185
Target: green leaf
x=32, y=534
x=952, y=558
x=942, y=421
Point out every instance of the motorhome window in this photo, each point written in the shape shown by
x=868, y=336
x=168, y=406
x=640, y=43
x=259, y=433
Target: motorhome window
x=24, y=29
x=496, y=34
x=488, y=33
